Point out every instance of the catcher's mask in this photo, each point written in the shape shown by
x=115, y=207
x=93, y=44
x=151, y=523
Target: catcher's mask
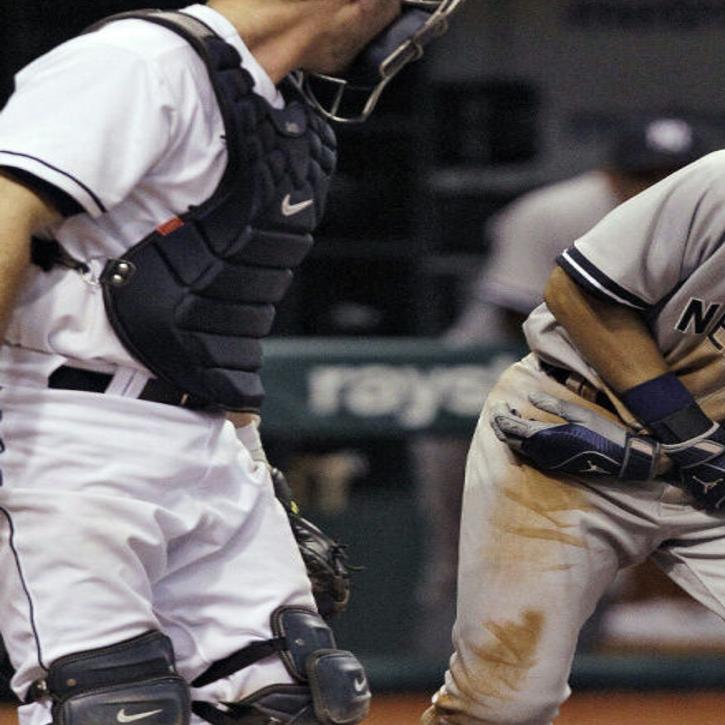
x=352, y=96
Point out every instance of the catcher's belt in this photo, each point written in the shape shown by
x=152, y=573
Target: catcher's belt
x=91, y=381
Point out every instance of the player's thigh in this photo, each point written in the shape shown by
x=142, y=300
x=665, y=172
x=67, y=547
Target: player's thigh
x=227, y=580
x=535, y=560
x=693, y=555
x=536, y=554
x=525, y=531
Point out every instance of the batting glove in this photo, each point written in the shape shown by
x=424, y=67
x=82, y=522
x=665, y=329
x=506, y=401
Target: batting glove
x=700, y=462
x=587, y=444
x=694, y=442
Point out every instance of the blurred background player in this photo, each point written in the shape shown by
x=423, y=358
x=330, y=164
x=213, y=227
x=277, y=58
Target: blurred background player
x=524, y=240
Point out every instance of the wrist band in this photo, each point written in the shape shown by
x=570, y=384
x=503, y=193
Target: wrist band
x=668, y=409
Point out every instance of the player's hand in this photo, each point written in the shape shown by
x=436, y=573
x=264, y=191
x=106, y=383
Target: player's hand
x=700, y=463
x=325, y=558
x=586, y=444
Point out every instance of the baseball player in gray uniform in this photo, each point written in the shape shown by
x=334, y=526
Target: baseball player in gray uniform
x=600, y=449
x=160, y=178
x=536, y=227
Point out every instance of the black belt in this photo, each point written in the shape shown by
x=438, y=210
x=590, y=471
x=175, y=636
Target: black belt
x=90, y=381
x=575, y=382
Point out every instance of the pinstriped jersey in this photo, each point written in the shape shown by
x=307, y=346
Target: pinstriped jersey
x=662, y=254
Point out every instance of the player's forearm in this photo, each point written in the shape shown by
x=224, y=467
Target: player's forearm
x=613, y=339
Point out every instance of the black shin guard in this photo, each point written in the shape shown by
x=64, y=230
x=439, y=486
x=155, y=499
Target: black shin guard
x=332, y=688
x=277, y=704
x=130, y=682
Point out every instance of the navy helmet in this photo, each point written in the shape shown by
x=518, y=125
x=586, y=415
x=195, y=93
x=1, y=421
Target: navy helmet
x=658, y=143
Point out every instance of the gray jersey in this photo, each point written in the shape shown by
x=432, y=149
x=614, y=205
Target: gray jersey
x=660, y=253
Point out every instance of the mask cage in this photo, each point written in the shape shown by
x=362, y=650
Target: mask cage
x=353, y=96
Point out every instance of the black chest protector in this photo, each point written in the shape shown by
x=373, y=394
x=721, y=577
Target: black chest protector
x=192, y=300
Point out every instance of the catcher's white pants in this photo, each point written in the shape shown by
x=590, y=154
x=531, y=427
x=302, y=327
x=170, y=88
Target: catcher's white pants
x=537, y=552
x=118, y=516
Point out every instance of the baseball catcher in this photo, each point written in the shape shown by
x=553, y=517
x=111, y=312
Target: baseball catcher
x=152, y=217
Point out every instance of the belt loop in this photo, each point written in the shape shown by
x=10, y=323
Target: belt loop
x=127, y=383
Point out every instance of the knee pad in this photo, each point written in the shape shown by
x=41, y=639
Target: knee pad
x=130, y=682
x=332, y=687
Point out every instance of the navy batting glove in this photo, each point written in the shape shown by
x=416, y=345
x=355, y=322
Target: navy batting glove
x=700, y=462
x=694, y=442
x=587, y=444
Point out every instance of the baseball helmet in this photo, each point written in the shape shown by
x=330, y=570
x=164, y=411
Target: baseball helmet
x=352, y=96
x=652, y=144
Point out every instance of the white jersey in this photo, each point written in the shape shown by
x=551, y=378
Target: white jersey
x=121, y=156
x=660, y=253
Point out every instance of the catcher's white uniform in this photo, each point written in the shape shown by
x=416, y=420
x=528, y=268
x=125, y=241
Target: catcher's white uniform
x=117, y=515
x=538, y=550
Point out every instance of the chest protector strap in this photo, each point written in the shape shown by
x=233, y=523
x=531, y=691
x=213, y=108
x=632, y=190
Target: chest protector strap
x=193, y=299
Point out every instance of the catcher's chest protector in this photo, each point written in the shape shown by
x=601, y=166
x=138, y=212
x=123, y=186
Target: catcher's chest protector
x=192, y=300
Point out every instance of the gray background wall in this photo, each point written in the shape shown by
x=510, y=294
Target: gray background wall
x=593, y=62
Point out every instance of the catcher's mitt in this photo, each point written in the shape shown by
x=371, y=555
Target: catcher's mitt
x=325, y=558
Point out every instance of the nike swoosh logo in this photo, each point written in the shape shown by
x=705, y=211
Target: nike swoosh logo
x=290, y=209
x=122, y=717
x=360, y=685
